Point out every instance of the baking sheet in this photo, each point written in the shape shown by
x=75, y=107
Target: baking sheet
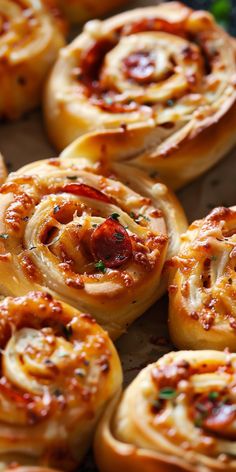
x=147, y=339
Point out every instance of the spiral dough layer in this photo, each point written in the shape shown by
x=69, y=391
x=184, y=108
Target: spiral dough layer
x=179, y=414
x=202, y=287
x=167, y=73
x=31, y=34
x=58, y=370
x=88, y=238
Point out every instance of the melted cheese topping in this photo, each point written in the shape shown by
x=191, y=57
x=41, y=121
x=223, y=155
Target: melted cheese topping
x=31, y=34
x=203, y=281
x=166, y=65
x=58, y=370
x=59, y=220
x=182, y=409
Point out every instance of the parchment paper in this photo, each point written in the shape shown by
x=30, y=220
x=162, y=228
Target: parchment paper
x=147, y=339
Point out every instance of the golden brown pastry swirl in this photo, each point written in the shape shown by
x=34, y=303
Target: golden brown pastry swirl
x=167, y=73
x=31, y=34
x=86, y=236
x=179, y=414
x=202, y=286
x=58, y=370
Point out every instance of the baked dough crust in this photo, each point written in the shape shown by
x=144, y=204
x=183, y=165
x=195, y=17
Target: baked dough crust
x=167, y=73
x=202, y=312
x=3, y=170
x=59, y=216
x=168, y=419
x=31, y=34
x=59, y=370
x=79, y=11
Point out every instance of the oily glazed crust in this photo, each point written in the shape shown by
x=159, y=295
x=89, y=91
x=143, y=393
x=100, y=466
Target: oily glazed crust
x=63, y=125
x=102, y=149
x=207, y=322
x=180, y=138
x=116, y=295
x=27, y=53
x=65, y=360
x=134, y=435
x=114, y=455
x=3, y=170
x=78, y=11
x=198, y=152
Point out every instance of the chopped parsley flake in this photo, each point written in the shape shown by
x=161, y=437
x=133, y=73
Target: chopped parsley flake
x=4, y=235
x=214, y=258
x=221, y=10
x=115, y=216
x=213, y=395
x=167, y=393
x=101, y=266
x=72, y=177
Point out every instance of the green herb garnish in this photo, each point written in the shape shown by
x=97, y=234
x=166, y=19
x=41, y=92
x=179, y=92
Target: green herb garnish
x=115, y=216
x=144, y=217
x=4, y=235
x=213, y=395
x=167, y=393
x=101, y=266
x=214, y=258
x=72, y=177
x=221, y=10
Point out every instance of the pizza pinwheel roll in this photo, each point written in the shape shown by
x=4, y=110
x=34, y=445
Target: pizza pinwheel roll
x=58, y=371
x=179, y=414
x=31, y=34
x=202, y=313
x=87, y=237
x=78, y=11
x=166, y=72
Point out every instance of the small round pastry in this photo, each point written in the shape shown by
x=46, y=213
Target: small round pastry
x=78, y=11
x=166, y=72
x=58, y=371
x=202, y=309
x=96, y=239
x=178, y=415
x=31, y=34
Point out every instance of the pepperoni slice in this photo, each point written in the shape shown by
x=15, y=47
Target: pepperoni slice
x=111, y=243
x=219, y=419
x=83, y=190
